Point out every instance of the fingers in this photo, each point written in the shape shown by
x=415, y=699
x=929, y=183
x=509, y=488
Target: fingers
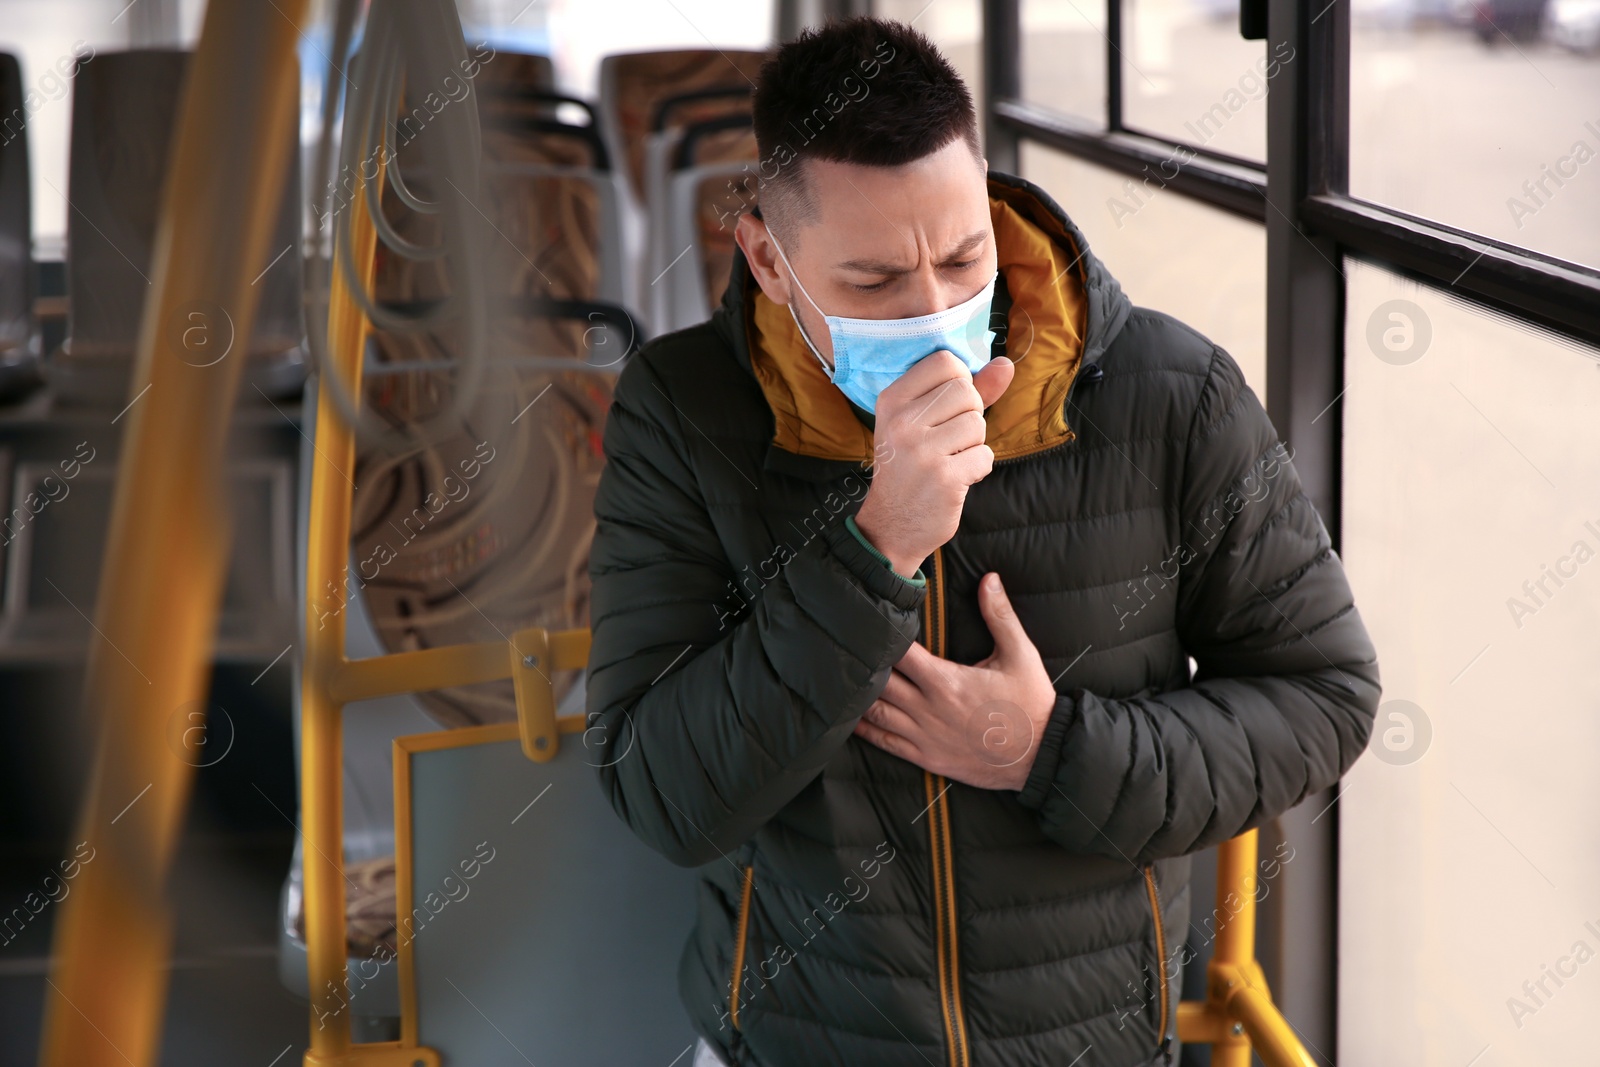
x=994, y=378
x=973, y=464
x=959, y=433
x=935, y=388
x=891, y=718
x=919, y=666
x=953, y=397
x=893, y=743
x=942, y=371
x=902, y=692
x=1010, y=639
x=925, y=376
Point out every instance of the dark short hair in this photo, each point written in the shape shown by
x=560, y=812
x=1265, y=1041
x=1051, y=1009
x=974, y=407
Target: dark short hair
x=868, y=91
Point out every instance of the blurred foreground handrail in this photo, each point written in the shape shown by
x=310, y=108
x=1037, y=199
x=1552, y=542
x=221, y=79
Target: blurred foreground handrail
x=166, y=555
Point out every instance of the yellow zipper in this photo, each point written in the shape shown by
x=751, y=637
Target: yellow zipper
x=738, y=949
x=1161, y=950
x=941, y=852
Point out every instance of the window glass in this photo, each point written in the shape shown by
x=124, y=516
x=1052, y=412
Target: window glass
x=1188, y=76
x=1483, y=117
x=1468, y=879
x=1064, y=56
x=1164, y=250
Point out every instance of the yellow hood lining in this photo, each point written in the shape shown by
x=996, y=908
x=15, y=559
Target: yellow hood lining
x=1045, y=331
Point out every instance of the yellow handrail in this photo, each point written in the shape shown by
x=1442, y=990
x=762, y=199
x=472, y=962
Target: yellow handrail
x=1238, y=1012
x=330, y=681
x=167, y=549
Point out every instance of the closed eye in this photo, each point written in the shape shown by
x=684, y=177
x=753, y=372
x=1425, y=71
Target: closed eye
x=965, y=264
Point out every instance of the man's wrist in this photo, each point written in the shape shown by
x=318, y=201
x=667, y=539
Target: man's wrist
x=1039, y=720
x=905, y=568
x=914, y=577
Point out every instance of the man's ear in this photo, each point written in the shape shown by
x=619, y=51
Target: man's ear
x=762, y=255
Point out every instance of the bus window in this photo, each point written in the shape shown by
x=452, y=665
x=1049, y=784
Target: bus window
x=1477, y=120
x=1163, y=248
x=1063, y=56
x=1187, y=75
x=1473, y=546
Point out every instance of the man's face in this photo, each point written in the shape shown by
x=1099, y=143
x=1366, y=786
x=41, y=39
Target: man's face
x=886, y=242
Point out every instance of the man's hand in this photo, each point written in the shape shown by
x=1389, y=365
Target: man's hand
x=931, y=419
x=980, y=724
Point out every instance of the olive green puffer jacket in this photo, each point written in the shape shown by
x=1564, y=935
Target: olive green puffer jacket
x=854, y=909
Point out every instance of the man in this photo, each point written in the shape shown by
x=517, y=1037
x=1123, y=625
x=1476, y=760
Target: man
x=893, y=616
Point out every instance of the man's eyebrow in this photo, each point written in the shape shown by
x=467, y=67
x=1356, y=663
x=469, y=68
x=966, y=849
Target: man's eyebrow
x=874, y=266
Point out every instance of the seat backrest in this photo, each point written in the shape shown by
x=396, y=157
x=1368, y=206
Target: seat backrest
x=505, y=541
x=124, y=110
x=711, y=185
x=720, y=197
x=546, y=188
x=16, y=215
x=515, y=70
x=693, y=84
x=488, y=531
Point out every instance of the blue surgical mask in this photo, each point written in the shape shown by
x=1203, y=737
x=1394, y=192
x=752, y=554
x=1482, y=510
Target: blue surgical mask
x=868, y=354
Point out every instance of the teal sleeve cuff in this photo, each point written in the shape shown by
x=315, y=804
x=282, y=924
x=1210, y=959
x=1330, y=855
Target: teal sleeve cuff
x=850, y=524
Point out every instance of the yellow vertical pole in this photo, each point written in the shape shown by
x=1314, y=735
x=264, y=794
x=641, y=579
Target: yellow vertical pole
x=1236, y=935
x=327, y=593
x=166, y=555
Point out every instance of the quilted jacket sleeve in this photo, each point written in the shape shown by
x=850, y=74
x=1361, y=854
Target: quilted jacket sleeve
x=706, y=717
x=1287, y=687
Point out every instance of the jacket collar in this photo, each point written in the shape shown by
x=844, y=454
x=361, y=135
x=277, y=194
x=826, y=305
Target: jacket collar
x=1060, y=305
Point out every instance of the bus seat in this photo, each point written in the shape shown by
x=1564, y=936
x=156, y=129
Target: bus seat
x=507, y=547
x=549, y=188
x=19, y=343
x=516, y=69
x=557, y=193
x=687, y=122
x=124, y=108
x=646, y=99
x=635, y=85
x=712, y=182
x=45, y=550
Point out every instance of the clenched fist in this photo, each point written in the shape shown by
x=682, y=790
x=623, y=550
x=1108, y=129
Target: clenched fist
x=931, y=419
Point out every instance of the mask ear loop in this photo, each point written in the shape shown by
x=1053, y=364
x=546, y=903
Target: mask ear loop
x=826, y=368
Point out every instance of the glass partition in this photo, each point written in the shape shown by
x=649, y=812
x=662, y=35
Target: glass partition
x=1483, y=117
x=1063, y=60
x=1469, y=884
x=1169, y=252
x=1188, y=76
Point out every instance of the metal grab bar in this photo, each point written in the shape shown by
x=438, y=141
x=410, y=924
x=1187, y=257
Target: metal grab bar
x=167, y=550
x=330, y=681
x=1238, y=1014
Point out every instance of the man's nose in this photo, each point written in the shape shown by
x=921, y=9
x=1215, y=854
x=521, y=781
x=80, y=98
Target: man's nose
x=927, y=294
